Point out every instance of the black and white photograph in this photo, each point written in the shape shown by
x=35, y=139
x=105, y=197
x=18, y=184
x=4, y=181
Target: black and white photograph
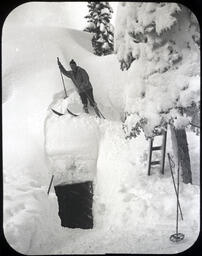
x=101, y=128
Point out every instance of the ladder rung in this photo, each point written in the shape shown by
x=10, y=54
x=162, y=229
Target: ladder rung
x=155, y=162
x=157, y=148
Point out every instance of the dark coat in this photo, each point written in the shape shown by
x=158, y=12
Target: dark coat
x=80, y=78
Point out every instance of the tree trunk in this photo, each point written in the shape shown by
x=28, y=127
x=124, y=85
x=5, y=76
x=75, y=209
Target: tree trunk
x=183, y=153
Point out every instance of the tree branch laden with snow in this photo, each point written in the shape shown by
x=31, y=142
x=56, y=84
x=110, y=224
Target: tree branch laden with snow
x=159, y=43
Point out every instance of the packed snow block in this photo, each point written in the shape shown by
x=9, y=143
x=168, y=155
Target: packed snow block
x=75, y=205
x=72, y=148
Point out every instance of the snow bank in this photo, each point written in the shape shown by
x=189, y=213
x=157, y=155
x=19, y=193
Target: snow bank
x=30, y=217
x=71, y=145
x=126, y=197
x=40, y=14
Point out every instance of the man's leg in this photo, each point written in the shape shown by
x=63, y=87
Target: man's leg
x=90, y=96
x=84, y=100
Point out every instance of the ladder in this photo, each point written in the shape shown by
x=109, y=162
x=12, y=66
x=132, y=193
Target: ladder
x=161, y=148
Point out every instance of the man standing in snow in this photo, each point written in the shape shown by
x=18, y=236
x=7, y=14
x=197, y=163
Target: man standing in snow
x=80, y=79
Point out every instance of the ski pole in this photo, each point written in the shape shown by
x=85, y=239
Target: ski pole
x=177, y=236
x=50, y=184
x=175, y=185
x=62, y=80
x=177, y=198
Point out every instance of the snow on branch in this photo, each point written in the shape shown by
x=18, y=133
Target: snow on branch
x=157, y=44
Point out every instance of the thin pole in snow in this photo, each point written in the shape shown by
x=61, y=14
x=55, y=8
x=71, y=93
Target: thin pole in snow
x=177, y=236
x=177, y=198
x=50, y=184
x=62, y=80
x=175, y=185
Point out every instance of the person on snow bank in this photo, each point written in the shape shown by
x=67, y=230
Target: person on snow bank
x=81, y=80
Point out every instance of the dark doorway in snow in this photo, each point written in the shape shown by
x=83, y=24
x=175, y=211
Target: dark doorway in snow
x=75, y=205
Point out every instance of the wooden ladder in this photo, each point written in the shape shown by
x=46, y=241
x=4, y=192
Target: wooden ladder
x=161, y=148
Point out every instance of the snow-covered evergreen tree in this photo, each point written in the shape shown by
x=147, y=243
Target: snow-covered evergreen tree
x=159, y=42
x=99, y=23
x=90, y=18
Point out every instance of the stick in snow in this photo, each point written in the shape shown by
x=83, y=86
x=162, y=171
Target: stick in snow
x=50, y=184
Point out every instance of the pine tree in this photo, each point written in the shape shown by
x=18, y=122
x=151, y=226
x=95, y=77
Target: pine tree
x=99, y=24
x=159, y=43
x=90, y=18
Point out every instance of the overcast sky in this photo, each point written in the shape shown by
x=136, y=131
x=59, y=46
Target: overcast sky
x=67, y=14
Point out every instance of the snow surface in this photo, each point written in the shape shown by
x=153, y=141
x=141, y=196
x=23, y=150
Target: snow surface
x=53, y=13
x=133, y=213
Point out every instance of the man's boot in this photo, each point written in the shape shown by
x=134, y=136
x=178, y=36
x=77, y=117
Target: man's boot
x=85, y=109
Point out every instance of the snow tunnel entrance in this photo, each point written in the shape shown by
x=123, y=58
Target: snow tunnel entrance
x=75, y=204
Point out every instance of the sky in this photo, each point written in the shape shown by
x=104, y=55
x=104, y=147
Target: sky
x=65, y=14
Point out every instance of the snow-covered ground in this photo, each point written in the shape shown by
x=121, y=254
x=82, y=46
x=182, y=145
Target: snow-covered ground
x=133, y=213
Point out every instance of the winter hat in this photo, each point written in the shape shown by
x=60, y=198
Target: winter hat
x=72, y=62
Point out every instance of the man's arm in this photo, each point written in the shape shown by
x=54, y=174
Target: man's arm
x=63, y=70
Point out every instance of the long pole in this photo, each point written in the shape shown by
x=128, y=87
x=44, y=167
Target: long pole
x=62, y=80
x=178, y=184
x=175, y=186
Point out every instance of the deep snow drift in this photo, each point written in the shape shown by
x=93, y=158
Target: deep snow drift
x=72, y=146
x=133, y=213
